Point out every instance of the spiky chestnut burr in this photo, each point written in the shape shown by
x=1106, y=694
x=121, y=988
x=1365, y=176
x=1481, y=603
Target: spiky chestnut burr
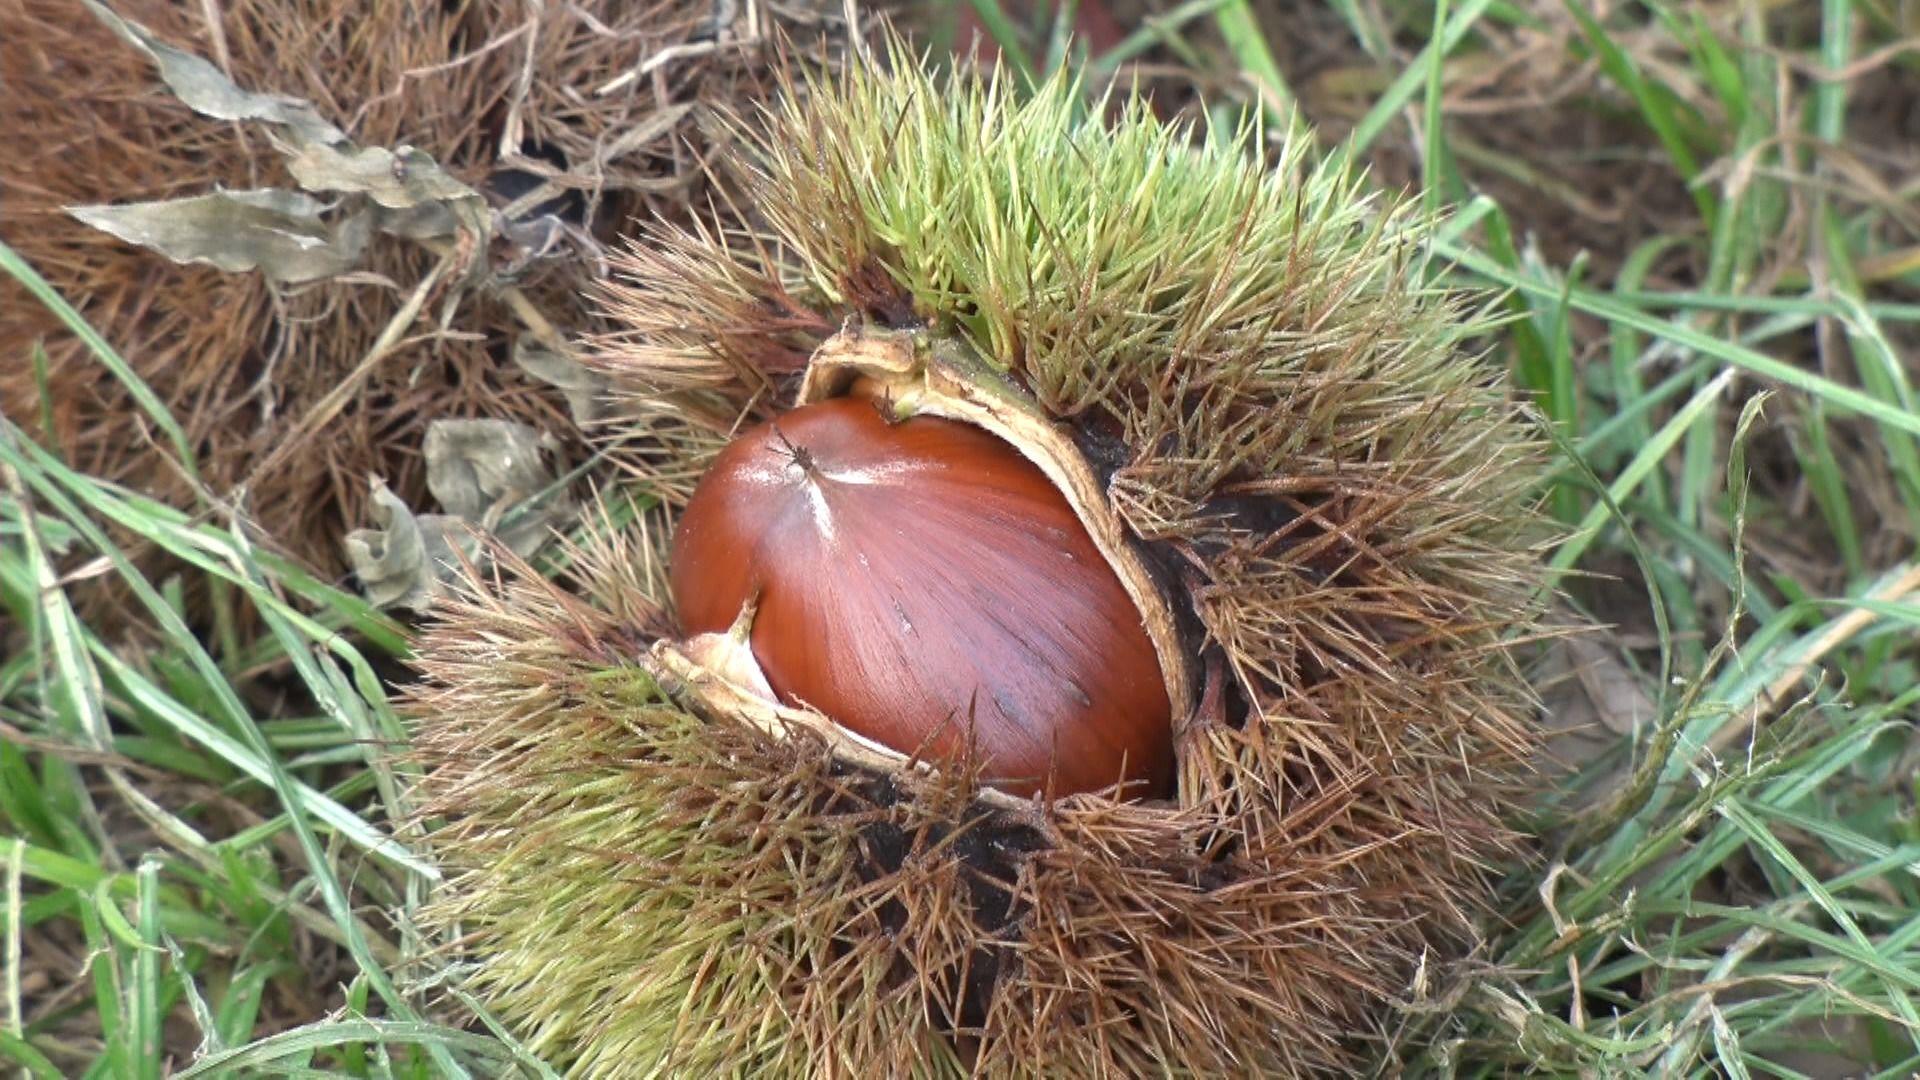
x=1319, y=502
x=927, y=587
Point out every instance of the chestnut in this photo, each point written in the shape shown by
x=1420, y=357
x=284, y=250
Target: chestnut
x=921, y=583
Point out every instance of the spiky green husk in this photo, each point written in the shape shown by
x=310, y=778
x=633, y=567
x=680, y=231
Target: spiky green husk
x=1338, y=492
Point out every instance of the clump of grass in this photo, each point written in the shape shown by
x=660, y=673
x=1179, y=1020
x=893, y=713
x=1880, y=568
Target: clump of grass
x=1729, y=886
x=202, y=855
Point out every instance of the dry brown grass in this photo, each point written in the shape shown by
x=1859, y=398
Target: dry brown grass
x=483, y=87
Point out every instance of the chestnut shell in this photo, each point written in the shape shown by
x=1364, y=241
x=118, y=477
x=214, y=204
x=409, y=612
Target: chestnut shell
x=919, y=580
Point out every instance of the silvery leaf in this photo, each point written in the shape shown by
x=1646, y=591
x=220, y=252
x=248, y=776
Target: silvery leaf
x=584, y=388
x=279, y=233
x=206, y=90
x=405, y=560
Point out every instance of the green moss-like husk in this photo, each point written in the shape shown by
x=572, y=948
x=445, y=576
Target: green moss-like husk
x=1339, y=494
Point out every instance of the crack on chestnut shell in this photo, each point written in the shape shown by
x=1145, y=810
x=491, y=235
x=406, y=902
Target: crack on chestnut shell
x=1261, y=519
x=1106, y=453
x=872, y=286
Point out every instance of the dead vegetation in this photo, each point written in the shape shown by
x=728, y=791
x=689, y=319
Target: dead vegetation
x=573, y=120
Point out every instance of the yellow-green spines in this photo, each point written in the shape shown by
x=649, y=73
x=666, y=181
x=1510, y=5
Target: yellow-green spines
x=1335, y=495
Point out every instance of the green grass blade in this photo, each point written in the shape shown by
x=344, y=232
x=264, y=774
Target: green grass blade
x=1729, y=353
x=156, y=410
x=1411, y=80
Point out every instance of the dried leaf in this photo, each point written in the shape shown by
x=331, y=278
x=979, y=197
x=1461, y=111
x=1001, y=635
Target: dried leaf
x=494, y=474
x=406, y=558
x=417, y=198
x=585, y=389
x=1591, y=702
x=407, y=179
x=280, y=233
x=1619, y=701
x=492, y=478
x=474, y=465
x=206, y=90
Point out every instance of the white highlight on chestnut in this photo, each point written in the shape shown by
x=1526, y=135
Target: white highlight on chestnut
x=793, y=471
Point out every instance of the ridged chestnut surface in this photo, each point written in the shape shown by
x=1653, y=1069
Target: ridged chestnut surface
x=912, y=574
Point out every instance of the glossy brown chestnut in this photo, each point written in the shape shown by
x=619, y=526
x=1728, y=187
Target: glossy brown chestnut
x=914, y=574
